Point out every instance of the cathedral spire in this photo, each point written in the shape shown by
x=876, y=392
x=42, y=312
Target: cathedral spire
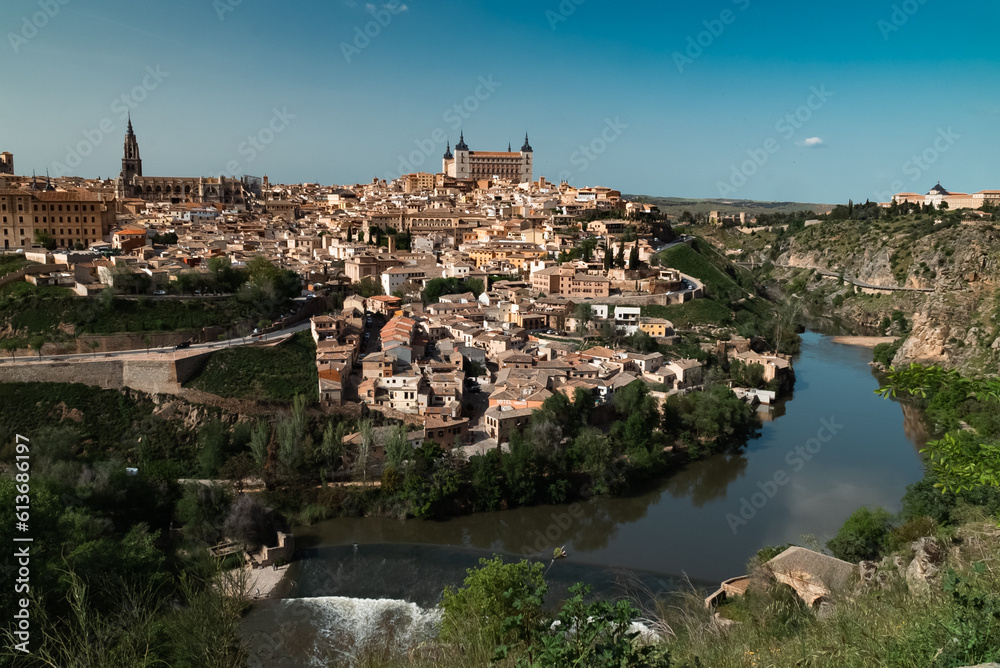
x=131, y=162
x=527, y=147
x=461, y=145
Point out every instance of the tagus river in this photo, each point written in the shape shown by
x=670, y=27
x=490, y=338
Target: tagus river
x=830, y=448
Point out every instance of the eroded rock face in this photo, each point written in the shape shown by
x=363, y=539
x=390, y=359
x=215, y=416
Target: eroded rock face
x=927, y=343
x=925, y=568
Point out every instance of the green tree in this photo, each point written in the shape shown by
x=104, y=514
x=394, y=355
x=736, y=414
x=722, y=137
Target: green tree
x=633, y=257
x=864, y=536
x=600, y=635
x=259, y=443
x=368, y=287
x=397, y=447
x=11, y=346
x=498, y=602
x=475, y=285
x=332, y=445
x=584, y=314
x=43, y=238
x=37, y=343
x=366, y=448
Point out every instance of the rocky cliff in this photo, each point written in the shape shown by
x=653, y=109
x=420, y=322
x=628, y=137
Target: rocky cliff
x=955, y=325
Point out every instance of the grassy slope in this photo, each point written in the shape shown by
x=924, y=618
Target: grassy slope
x=693, y=263
x=697, y=312
x=275, y=374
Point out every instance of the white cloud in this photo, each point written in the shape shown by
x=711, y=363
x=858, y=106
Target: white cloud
x=811, y=142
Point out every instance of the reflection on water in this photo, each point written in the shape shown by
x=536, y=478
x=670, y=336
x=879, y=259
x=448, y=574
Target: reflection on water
x=915, y=426
x=701, y=484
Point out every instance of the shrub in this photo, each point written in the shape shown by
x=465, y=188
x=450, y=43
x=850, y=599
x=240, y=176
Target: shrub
x=864, y=536
x=492, y=595
x=885, y=352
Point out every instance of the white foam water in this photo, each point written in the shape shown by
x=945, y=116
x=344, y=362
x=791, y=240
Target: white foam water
x=344, y=629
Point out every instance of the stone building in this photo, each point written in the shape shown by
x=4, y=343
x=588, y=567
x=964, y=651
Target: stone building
x=509, y=165
x=70, y=217
x=132, y=184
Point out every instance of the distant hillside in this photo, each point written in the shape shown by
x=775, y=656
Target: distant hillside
x=677, y=205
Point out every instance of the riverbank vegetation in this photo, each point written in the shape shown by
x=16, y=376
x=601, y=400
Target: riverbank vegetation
x=569, y=451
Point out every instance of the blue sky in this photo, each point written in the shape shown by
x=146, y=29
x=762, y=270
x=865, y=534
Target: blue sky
x=661, y=98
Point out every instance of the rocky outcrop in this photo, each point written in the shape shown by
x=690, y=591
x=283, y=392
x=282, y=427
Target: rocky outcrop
x=925, y=569
x=919, y=573
x=956, y=326
x=927, y=342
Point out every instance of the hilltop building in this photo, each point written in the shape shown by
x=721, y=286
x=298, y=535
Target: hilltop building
x=955, y=200
x=131, y=184
x=509, y=165
x=70, y=217
x=7, y=163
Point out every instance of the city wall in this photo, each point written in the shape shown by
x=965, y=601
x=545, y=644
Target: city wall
x=153, y=376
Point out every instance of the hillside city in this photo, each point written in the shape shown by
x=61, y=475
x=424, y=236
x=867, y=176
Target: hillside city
x=524, y=280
